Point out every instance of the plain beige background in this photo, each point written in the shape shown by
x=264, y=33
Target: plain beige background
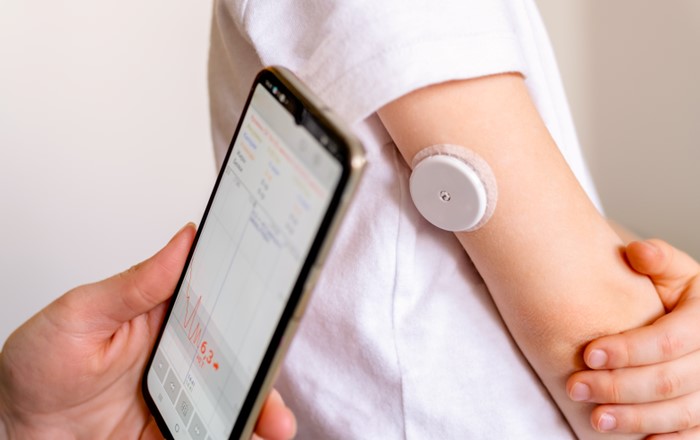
x=104, y=139
x=631, y=69
x=104, y=131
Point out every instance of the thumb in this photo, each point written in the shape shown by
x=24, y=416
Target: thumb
x=141, y=288
x=669, y=268
x=276, y=420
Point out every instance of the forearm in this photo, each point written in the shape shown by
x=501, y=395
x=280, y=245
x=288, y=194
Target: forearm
x=551, y=262
x=4, y=412
x=559, y=282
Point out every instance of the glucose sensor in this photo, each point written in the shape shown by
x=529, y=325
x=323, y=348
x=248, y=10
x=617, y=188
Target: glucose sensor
x=453, y=187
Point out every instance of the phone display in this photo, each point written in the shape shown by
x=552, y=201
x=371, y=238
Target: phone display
x=287, y=176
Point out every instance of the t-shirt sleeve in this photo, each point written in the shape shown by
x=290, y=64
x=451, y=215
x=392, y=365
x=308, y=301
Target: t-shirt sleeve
x=359, y=55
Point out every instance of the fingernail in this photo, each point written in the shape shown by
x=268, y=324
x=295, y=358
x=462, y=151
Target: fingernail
x=607, y=422
x=597, y=359
x=580, y=392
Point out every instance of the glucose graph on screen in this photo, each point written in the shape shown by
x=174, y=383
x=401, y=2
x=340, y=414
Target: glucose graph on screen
x=248, y=256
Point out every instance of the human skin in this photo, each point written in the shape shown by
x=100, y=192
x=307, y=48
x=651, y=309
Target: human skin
x=646, y=379
x=73, y=371
x=552, y=263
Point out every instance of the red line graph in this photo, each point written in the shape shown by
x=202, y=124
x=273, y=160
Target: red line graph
x=194, y=328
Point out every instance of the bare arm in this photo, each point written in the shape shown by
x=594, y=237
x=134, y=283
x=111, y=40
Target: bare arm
x=552, y=263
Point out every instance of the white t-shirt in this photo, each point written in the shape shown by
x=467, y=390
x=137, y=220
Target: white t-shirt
x=401, y=339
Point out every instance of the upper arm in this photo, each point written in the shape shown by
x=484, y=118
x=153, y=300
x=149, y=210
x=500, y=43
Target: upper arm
x=551, y=262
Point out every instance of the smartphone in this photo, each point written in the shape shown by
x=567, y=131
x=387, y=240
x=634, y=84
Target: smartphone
x=285, y=182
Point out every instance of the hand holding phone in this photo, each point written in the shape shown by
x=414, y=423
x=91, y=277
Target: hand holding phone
x=286, y=179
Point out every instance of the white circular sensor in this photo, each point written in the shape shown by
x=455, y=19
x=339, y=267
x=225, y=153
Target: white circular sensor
x=448, y=193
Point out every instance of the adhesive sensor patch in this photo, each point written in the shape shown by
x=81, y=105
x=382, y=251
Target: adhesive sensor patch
x=453, y=187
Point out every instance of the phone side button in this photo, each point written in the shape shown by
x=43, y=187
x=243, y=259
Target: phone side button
x=314, y=273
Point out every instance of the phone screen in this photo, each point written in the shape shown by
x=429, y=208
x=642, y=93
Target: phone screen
x=273, y=193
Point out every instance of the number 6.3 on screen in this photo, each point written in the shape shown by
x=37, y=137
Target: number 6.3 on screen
x=286, y=180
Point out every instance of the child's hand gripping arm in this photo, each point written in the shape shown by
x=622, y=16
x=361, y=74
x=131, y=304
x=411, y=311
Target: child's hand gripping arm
x=551, y=262
x=648, y=378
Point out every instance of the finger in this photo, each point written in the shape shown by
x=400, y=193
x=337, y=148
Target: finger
x=637, y=385
x=660, y=260
x=688, y=434
x=669, y=268
x=151, y=431
x=144, y=286
x=276, y=421
x=670, y=337
x=667, y=416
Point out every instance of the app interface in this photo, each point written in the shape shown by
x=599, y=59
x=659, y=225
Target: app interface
x=275, y=188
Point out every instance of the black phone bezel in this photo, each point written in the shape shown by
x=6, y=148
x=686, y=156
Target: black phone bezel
x=301, y=107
